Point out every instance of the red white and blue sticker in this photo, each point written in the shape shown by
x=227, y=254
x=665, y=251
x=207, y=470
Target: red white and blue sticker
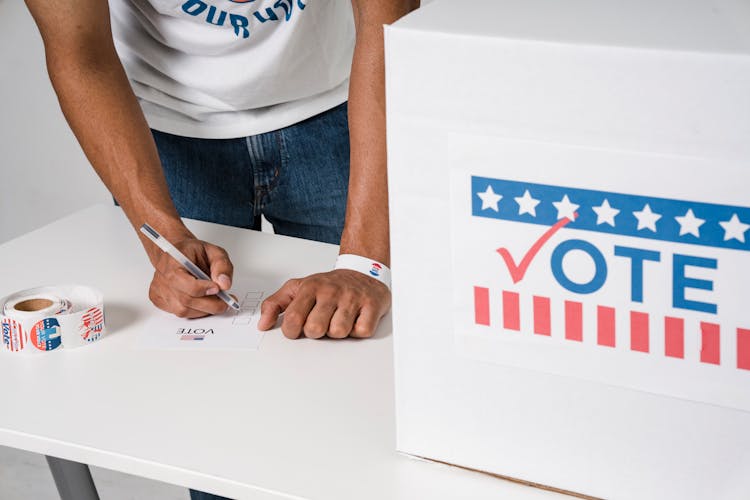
x=46, y=335
x=375, y=269
x=92, y=324
x=620, y=285
x=191, y=334
x=14, y=338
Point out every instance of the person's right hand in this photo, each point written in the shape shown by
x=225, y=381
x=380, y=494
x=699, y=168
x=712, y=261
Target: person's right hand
x=175, y=290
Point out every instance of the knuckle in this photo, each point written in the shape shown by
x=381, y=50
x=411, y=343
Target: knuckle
x=223, y=258
x=372, y=301
x=289, y=331
x=293, y=318
x=349, y=303
x=338, y=331
x=220, y=250
x=314, y=335
x=363, y=331
x=271, y=301
x=330, y=291
x=290, y=283
x=182, y=311
x=268, y=305
x=314, y=330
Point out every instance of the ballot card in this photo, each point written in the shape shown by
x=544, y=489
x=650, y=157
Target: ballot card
x=228, y=331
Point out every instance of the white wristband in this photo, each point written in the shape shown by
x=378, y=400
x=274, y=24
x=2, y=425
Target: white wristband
x=371, y=268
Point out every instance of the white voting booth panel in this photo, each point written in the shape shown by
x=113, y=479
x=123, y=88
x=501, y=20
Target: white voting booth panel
x=570, y=217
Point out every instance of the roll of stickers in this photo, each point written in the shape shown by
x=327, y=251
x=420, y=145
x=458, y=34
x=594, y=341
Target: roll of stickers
x=51, y=318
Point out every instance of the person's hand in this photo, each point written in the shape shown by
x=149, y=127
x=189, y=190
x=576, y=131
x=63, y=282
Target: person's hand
x=338, y=303
x=175, y=290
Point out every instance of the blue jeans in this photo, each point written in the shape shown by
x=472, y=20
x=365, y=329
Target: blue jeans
x=297, y=177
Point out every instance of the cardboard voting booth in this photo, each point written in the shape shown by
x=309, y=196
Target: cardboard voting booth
x=570, y=217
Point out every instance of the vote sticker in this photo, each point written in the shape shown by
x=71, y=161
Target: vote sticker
x=92, y=325
x=13, y=335
x=46, y=335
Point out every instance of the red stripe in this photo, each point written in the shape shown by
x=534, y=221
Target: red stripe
x=674, y=337
x=573, y=321
x=638, y=331
x=21, y=337
x=15, y=335
x=743, y=349
x=710, y=343
x=481, y=306
x=542, y=316
x=605, y=326
x=511, y=311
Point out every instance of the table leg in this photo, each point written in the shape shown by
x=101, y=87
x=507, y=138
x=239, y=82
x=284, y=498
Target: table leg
x=73, y=480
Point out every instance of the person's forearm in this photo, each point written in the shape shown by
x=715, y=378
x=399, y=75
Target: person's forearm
x=366, y=227
x=103, y=113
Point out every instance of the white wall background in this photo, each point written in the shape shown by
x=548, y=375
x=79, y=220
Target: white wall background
x=43, y=173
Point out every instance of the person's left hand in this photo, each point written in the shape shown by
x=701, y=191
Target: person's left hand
x=338, y=303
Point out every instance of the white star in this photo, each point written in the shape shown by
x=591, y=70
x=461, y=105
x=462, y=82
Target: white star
x=605, y=213
x=689, y=223
x=647, y=219
x=526, y=204
x=489, y=199
x=734, y=228
x=565, y=209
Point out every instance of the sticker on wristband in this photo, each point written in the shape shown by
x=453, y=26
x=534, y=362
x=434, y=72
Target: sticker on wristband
x=369, y=267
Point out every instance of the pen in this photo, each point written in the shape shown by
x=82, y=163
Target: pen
x=196, y=271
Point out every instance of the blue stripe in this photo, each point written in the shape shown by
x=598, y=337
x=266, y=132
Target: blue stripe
x=626, y=224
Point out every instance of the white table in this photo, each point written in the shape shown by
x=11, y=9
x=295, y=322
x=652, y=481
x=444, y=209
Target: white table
x=296, y=419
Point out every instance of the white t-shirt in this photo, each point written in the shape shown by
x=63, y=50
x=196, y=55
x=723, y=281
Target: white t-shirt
x=232, y=68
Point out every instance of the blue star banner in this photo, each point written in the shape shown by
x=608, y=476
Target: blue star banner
x=678, y=221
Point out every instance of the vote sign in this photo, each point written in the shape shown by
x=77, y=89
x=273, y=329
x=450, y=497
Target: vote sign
x=625, y=285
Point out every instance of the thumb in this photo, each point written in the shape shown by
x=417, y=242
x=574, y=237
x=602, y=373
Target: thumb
x=221, y=268
x=276, y=304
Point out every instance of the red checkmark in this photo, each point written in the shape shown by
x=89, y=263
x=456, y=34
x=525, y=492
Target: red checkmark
x=517, y=272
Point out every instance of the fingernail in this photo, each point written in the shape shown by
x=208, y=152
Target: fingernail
x=225, y=281
x=212, y=291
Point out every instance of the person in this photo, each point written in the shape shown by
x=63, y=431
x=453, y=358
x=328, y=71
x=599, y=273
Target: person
x=226, y=110
x=223, y=110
